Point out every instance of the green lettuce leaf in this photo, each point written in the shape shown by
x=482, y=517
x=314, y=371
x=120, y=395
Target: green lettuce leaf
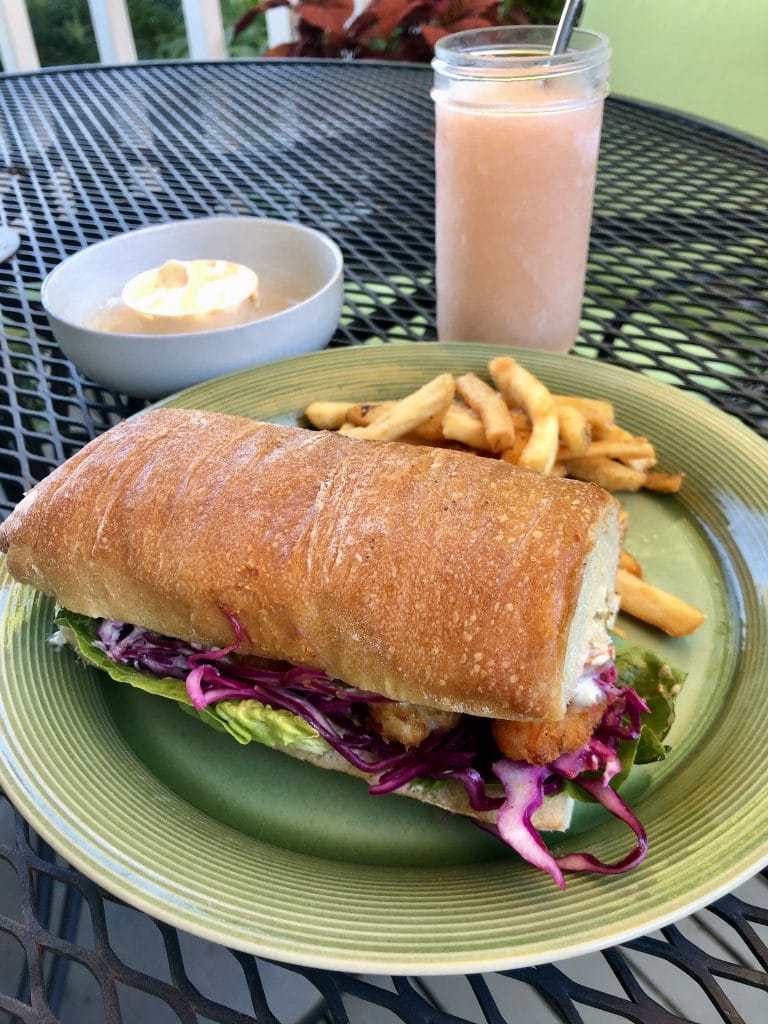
x=658, y=683
x=245, y=720
x=248, y=720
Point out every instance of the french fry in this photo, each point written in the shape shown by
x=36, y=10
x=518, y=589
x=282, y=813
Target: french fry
x=460, y=423
x=363, y=414
x=491, y=408
x=619, y=436
x=574, y=428
x=610, y=432
x=624, y=451
x=540, y=452
x=521, y=421
x=599, y=414
x=512, y=455
x=664, y=483
x=327, y=415
x=613, y=476
x=656, y=607
x=629, y=563
x=430, y=400
x=522, y=389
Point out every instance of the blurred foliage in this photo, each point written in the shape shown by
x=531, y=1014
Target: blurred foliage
x=391, y=29
x=64, y=34
x=543, y=12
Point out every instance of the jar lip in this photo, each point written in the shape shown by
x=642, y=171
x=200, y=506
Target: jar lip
x=517, y=46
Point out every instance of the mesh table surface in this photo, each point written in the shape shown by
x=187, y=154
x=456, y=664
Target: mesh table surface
x=676, y=288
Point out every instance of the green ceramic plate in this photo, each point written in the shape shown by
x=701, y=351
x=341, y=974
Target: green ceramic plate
x=262, y=853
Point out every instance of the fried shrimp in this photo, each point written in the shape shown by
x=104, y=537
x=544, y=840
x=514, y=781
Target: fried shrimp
x=410, y=724
x=542, y=742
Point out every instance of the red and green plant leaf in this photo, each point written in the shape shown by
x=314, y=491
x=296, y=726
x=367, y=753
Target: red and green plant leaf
x=393, y=29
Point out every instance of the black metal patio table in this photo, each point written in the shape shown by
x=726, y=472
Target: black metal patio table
x=676, y=287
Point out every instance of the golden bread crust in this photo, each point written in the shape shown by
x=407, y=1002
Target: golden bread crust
x=435, y=577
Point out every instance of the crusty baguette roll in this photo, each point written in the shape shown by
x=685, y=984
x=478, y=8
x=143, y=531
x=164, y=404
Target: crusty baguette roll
x=430, y=576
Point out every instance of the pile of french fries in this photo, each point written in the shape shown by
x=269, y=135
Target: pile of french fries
x=520, y=421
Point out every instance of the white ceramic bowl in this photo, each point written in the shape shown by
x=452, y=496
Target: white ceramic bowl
x=287, y=257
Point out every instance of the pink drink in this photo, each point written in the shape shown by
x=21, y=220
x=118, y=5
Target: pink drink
x=516, y=154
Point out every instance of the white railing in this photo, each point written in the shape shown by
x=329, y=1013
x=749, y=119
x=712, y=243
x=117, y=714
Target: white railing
x=114, y=35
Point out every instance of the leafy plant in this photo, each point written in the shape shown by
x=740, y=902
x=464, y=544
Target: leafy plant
x=392, y=29
x=64, y=34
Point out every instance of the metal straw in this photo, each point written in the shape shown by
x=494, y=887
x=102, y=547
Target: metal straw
x=565, y=26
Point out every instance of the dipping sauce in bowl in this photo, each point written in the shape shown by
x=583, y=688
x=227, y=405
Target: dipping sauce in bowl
x=135, y=317
x=183, y=296
x=193, y=295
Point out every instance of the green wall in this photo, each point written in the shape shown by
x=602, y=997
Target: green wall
x=703, y=57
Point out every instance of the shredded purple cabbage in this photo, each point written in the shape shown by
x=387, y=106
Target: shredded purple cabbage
x=463, y=754
x=614, y=804
x=338, y=713
x=524, y=787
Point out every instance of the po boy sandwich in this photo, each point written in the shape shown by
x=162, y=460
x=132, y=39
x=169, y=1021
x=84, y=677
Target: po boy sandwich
x=434, y=622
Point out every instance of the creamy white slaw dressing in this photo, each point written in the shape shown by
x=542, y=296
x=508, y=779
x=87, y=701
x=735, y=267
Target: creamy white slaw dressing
x=588, y=691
